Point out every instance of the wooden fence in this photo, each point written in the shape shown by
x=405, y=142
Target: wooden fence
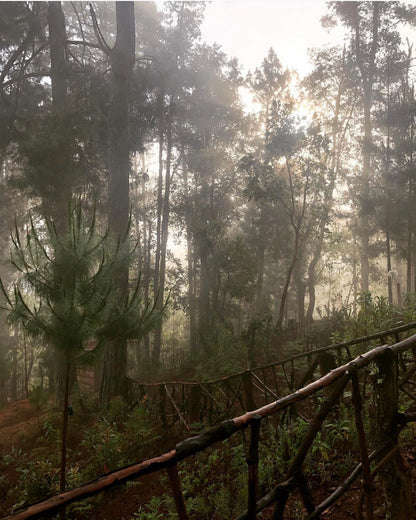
x=384, y=371
x=186, y=403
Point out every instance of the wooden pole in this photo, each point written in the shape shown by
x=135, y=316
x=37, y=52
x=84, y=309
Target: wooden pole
x=367, y=480
x=177, y=492
x=194, y=405
x=180, y=416
x=395, y=477
x=248, y=390
x=253, y=462
x=304, y=491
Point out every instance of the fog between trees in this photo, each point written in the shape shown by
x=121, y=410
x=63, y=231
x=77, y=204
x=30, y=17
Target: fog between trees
x=242, y=218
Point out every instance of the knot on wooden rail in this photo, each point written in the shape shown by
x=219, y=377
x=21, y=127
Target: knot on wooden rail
x=194, y=444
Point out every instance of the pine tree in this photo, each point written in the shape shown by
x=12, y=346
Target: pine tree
x=67, y=293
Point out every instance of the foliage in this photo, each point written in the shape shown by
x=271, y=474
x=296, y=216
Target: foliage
x=66, y=293
x=375, y=314
x=117, y=437
x=38, y=397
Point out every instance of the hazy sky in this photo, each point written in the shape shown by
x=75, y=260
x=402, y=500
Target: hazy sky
x=246, y=29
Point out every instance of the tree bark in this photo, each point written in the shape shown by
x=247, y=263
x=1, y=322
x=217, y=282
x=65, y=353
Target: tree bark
x=122, y=63
x=160, y=293
x=367, y=72
x=260, y=264
x=57, y=205
x=396, y=477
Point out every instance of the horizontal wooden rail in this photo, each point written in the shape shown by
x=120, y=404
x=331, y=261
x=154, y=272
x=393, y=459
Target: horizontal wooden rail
x=321, y=350
x=214, y=400
x=224, y=430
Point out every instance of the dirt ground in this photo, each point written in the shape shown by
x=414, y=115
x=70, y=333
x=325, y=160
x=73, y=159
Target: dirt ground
x=16, y=421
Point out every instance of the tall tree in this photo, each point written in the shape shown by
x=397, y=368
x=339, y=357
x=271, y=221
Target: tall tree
x=332, y=92
x=122, y=58
x=182, y=31
x=269, y=83
x=373, y=29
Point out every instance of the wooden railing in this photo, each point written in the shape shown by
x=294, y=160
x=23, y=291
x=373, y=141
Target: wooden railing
x=185, y=403
x=392, y=367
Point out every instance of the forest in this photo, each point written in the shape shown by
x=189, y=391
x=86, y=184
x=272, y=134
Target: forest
x=171, y=222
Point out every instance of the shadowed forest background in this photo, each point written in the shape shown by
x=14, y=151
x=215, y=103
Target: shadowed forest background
x=164, y=211
x=244, y=218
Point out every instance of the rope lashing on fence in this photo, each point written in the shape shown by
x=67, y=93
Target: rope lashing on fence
x=191, y=446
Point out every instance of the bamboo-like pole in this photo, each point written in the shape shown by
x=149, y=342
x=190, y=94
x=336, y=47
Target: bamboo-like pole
x=276, y=386
x=292, y=375
x=177, y=492
x=344, y=486
x=304, y=491
x=253, y=462
x=367, y=480
x=275, y=494
x=264, y=386
x=309, y=373
x=181, y=417
x=248, y=390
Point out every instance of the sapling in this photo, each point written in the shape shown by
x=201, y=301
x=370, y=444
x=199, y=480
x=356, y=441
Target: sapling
x=67, y=295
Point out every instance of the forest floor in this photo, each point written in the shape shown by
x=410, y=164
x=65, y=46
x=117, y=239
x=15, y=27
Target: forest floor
x=19, y=423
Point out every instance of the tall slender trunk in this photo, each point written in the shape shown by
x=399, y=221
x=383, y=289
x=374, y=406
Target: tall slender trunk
x=367, y=73
x=65, y=415
x=204, y=275
x=160, y=295
x=387, y=203
x=411, y=216
x=296, y=224
x=337, y=138
x=191, y=295
x=122, y=62
x=312, y=270
x=191, y=261
x=56, y=207
x=365, y=198
x=300, y=300
x=60, y=147
x=159, y=204
x=283, y=298
x=260, y=263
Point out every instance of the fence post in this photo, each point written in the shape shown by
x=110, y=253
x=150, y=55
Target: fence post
x=395, y=476
x=194, y=405
x=162, y=406
x=362, y=439
x=252, y=462
x=177, y=492
x=327, y=362
x=248, y=390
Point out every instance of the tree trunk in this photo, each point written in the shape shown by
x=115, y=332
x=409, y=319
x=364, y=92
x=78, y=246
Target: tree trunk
x=191, y=261
x=367, y=72
x=260, y=265
x=159, y=206
x=204, y=297
x=191, y=295
x=300, y=300
x=395, y=476
x=57, y=206
x=65, y=415
x=410, y=226
x=122, y=63
x=387, y=201
x=160, y=294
